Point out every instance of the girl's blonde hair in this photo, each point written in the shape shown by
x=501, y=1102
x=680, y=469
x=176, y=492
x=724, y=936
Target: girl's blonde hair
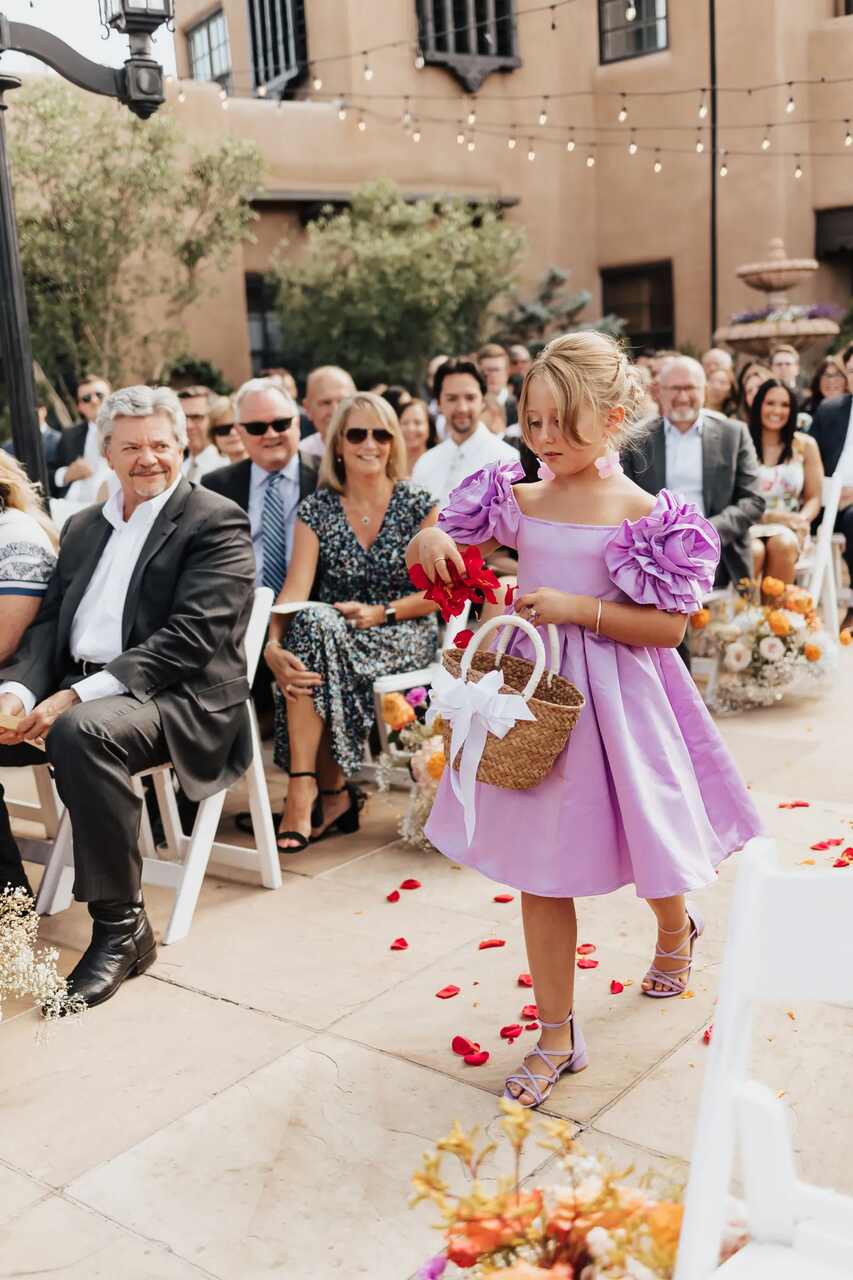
x=18, y=493
x=333, y=473
x=587, y=369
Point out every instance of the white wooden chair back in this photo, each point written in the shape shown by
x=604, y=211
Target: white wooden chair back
x=789, y=940
x=822, y=585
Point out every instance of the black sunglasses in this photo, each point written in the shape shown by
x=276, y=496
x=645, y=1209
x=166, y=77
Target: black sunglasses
x=224, y=429
x=261, y=428
x=358, y=435
x=90, y=396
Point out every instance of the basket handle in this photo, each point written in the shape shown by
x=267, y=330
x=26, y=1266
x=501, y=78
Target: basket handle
x=508, y=621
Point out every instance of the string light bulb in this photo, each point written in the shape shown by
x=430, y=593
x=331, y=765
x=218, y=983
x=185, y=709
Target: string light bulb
x=623, y=110
x=790, y=105
x=590, y=160
x=798, y=169
x=703, y=107
x=848, y=137
x=765, y=141
x=724, y=168
x=632, y=146
x=420, y=60
x=262, y=90
x=658, y=165
x=362, y=123
x=472, y=115
x=416, y=132
x=571, y=144
x=543, y=113
x=700, y=145
x=223, y=94
x=630, y=12
x=182, y=97
x=406, y=118
x=472, y=143
x=512, y=141
x=460, y=136
x=531, y=151
x=317, y=82
x=368, y=70
x=342, y=111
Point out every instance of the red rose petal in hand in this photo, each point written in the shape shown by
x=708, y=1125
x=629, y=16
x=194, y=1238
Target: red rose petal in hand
x=587, y=948
x=504, y=897
x=530, y=1011
x=512, y=1032
x=476, y=1059
x=463, y=639
x=586, y=963
x=616, y=988
x=491, y=942
x=462, y=1045
x=447, y=993
x=399, y=944
x=393, y=896
x=525, y=980
x=411, y=884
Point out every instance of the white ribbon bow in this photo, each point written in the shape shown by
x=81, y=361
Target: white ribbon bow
x=473, y=710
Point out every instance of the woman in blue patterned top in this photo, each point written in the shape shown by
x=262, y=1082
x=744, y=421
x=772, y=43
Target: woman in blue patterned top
x=28, y=543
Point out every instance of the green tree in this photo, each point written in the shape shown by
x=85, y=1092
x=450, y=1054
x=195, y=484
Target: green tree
x=551, y=309
x=117, y=223
x=388, y=283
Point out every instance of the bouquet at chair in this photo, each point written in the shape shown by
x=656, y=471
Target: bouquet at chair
x=594, y=1227
x=27, y=969
x=478, y=585
x=767, y=641
x=418, y=748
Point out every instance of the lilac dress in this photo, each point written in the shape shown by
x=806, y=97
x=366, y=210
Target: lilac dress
x=645, y=792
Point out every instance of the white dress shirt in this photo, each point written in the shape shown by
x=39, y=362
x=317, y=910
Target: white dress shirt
x=289, y=491
x=196, y=465
x=96, y=626
x=845, y=462
x=444, y=467
x=85, y=492
x=684, y=467
x=313, y=447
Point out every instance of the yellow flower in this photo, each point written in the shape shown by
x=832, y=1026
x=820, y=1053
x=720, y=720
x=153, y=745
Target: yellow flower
x=773, y=587
x=664, y=1221
x=700, y=620
x=778, y=623
x=435, y=765
x=813, y=652
x=396, y=711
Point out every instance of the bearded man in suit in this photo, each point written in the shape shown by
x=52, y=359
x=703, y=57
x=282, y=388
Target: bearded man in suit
x=135, y=658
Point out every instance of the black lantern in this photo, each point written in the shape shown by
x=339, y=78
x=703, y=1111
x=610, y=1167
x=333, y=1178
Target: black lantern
x=134, y=17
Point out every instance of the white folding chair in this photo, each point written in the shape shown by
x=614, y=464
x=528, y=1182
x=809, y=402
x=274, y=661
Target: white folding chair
x=796, y=1230
x=185, y=863
x=819, y=570
x=47, y=810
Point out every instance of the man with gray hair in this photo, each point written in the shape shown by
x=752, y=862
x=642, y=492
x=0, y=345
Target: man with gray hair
x=135, y=658
x=708, y=461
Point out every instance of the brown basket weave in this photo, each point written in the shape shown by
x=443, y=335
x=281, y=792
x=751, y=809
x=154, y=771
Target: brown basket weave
x=527, y=753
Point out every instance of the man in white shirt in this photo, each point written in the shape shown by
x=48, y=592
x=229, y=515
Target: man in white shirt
x=325, y=389
x=202, y=454
x=460, y=390
x=135, y=658
x=78, y=468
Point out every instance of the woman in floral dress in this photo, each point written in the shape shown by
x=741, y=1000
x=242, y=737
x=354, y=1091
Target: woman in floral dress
x=365, y=621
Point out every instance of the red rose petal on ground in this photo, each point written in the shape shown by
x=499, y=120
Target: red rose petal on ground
x=707, y=1033
x=411, y=884
x=462, y=1045
x=491, y=942
x=510, y=897
x=393, y=896
x=446, y=993
x=586, y=963
x=820, y=847
x=476, y=1059
x=531, y=1026
x=512, y=1032
x=795, y=804
x=616, y=988
x=525, y=980
x=463, y=638
x=587, y=948
x=841, y=862
x=399, y=944
x=530, y=1011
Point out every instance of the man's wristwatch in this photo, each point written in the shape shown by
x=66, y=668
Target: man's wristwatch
x=390, y=616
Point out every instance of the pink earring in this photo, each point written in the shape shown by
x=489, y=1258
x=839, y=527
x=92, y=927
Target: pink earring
x=545, y=472
x=608, y=465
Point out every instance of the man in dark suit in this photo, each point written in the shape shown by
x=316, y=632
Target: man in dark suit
x=709, y=461
x=78, y=470
x=831, y=430
x=50, y=438
x=268, y=485
x=135, y=658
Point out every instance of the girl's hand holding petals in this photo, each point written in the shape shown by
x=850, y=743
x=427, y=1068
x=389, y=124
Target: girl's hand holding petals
x=547, y=605
x=436, y=552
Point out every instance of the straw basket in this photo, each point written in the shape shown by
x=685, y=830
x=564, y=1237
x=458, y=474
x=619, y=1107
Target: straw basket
x=527, y=753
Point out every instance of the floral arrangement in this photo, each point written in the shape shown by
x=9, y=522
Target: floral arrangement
x=27, y=969
x=814, y=311
x=417, y=747
x=767, y=640
x=597, y=1227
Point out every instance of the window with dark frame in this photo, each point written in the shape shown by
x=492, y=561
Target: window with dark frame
x=279, y=40
x=265, y=333
x=209, y=50
x=620, y=37
x=643, y=296
x=471, y=38
x=848, y=7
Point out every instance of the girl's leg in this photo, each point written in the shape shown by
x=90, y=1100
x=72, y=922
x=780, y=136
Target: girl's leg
x=674, y=931
x=551, y=935
x=305, y=732
x=783, y=552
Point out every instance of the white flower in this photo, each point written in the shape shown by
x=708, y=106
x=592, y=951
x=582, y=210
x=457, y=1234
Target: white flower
x=737, y=656
x=748, y=620
x=728, y=632
x=599, y=1243
x=771, y=648
x=797, y=621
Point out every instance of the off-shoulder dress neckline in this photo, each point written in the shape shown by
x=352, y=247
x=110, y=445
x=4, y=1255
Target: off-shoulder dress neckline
x=572, y=524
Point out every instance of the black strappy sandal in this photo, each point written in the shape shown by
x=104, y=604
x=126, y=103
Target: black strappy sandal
x=243, y=821
x=347, y=823
x=303, y=840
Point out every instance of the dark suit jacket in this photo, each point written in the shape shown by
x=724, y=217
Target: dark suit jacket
x=49, y=442
x=829, y=429
x=71, y=444
x=729, y=486
x=235, y=481
x=185, y=619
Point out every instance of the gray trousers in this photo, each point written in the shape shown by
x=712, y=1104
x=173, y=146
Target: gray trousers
x=94, y=749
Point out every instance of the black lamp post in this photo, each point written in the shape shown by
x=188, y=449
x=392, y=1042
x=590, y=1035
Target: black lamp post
x=139, y=85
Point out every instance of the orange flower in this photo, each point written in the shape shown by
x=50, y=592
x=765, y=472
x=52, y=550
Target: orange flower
x=396, y=711
x=571, y=1222
x=471, y=1240
x=435, y=765
x=700, y=620
x=664, y=1221
x=846, y=636
x=813, y=652
x=773, y=587
x=778, y=623
x=799, y=601
x=814, y=623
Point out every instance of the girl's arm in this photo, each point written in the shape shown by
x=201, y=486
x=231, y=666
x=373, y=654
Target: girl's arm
x=633, y=624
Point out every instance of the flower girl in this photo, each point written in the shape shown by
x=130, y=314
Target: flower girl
x=644, y=793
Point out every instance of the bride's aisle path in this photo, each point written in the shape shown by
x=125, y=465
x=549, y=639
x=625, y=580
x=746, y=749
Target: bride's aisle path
x=254, y=1105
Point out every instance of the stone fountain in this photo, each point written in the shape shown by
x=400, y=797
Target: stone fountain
x=792, y=324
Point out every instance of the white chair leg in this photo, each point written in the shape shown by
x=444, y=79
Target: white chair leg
x=51, y=806
x=55, y=890
x=195, y=864
x=165, y=792
x=259, y=807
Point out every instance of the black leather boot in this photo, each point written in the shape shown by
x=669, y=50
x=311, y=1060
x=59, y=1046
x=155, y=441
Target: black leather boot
x=122, y=947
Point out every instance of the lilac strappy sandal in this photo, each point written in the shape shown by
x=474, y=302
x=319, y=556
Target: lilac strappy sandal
x=676, y=980
x=527, y=1079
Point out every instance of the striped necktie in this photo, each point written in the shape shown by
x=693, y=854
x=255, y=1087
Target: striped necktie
x=273, y=536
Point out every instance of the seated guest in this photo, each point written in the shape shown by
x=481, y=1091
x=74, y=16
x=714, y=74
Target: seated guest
x=790, y=480
x=78, y=468
x=135, y=658
x=460, y=389
x=832, y=434
x=519, y=361
x=721, y=391
x=785, y=365
x=750, y=378
x=418, y=430
x=716, y=359
x=494, y=416
x=50, y=438
x=223, y=431
x=829, y=380
x=202, y=456
x=348, y=553
x=284, y=379
x=268, y=484
x=324, y=391
x=493, y=363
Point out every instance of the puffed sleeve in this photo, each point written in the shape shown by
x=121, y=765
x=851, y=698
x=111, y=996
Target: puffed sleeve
x=483, y=506
x=668, y=559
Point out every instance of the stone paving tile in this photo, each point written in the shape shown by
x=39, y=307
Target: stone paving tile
x=17, y=1194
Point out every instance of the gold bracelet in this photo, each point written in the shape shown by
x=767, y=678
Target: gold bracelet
x=598, y=616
